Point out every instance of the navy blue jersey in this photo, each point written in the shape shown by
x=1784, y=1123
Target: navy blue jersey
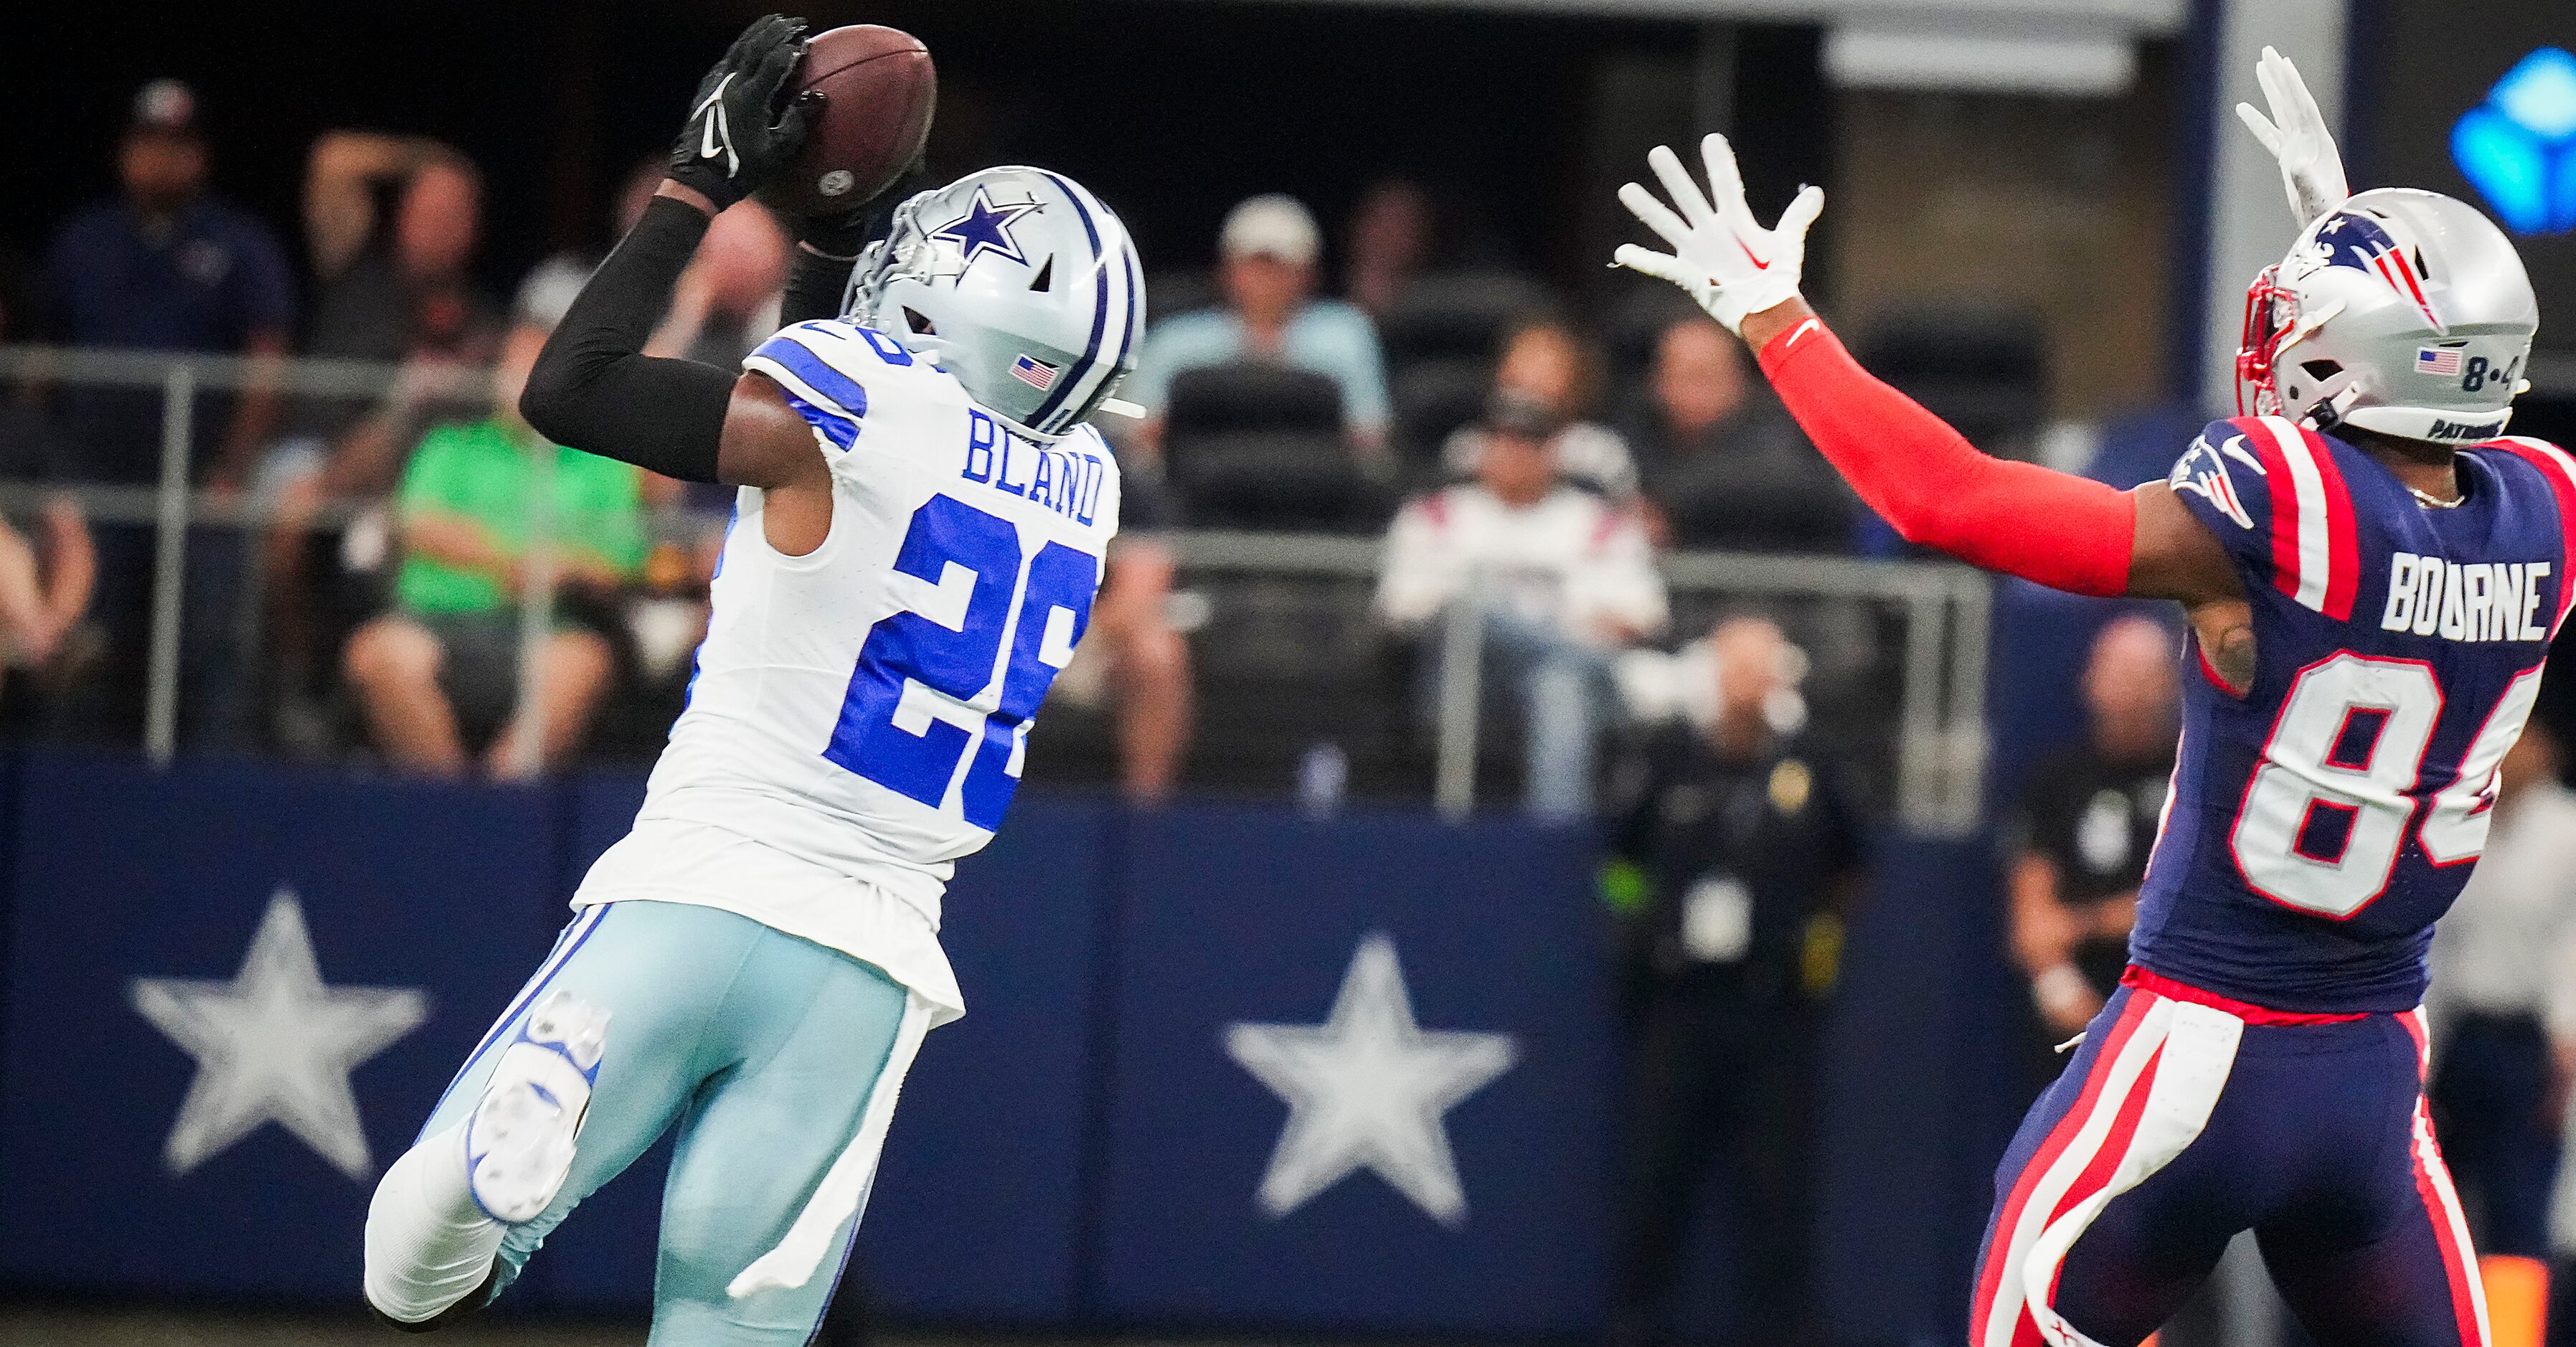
x=2321, y=822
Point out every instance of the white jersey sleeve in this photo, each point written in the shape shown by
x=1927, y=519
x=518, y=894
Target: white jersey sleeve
x=866, y=707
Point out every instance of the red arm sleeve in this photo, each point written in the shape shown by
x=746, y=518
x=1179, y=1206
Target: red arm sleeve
x=1935, y=489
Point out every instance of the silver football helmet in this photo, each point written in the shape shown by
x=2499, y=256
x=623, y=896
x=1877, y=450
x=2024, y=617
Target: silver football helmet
x=1016, y=281
x=2400, y=311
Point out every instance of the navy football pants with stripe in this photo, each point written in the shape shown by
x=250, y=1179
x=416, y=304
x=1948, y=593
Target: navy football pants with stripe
x=2179, y=1124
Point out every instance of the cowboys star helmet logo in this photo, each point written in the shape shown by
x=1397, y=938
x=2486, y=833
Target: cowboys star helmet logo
x=986, y=228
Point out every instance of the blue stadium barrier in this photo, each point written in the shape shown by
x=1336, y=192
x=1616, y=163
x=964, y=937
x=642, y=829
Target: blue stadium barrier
x=1245, y=916
x=1090, y=1148
x=117, y=1154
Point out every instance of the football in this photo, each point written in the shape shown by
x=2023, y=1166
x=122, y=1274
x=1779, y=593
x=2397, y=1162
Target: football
x=879, y=91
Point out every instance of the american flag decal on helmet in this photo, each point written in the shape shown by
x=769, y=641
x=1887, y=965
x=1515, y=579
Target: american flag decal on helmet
x=2442, y=360
x=1037, y=374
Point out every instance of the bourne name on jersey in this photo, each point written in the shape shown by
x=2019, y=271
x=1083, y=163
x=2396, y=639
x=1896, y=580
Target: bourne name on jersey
x=859, y=715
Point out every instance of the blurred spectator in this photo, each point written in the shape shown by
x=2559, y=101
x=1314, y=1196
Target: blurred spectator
x=1559, y=578
x=1723, y=464
x=1270, y=247
x=727, y=301
x=392, y=222
x=44, y=592
x=2080, y=837
x=546, y=293
x=1733, y=855
x=1132, y=653
x=44, y=589
x=1550, y=364
x=2503, y=1015
x=442, y=669
x=1390, y=242
x=166, y=266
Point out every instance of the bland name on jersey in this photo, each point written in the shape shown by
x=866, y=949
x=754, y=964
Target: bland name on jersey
x=1063, y=480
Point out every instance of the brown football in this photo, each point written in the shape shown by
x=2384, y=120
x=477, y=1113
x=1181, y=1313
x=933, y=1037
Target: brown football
x=878, y=95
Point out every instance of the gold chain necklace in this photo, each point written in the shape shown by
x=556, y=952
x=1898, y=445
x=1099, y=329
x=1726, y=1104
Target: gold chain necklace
x=2432, y=502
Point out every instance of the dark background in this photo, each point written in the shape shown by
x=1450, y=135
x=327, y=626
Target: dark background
x=2412, y=102
x=1171, y=110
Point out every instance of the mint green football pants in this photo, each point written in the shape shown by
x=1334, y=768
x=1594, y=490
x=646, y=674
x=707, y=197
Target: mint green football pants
x=761, y=1048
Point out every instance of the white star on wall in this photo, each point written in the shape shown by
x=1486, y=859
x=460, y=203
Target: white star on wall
x=275, y=1044
x=1368, y=1089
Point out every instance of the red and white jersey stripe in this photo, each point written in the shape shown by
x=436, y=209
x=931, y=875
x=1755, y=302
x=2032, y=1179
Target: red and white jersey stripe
x=2316, y=558
x=2558, y=467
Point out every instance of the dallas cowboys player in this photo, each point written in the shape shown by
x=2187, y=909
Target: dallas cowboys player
x=2372, y=573
x=918, y=539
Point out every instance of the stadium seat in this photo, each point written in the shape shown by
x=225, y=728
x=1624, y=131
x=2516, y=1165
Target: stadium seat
x=1433, y=399
x=1261, y=446
x=1458, y=316
x=1633, y=323
x=1983, y=370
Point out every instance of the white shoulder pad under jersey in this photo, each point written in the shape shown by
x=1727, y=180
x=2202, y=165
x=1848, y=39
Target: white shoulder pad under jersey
x=867, y=706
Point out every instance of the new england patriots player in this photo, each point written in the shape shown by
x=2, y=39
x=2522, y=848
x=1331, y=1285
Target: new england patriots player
x=918, y=538
x=2372, y=572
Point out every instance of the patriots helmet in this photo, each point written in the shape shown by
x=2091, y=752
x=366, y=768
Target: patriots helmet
x=2400, y=311
x=1016, y=281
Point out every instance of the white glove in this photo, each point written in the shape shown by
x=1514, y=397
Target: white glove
x=1731, y=265
x=2296, y=134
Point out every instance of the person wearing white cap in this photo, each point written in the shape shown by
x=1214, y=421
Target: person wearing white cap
x=1268, y=252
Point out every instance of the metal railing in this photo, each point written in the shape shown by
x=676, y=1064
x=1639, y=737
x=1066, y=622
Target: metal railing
x=1945, y=609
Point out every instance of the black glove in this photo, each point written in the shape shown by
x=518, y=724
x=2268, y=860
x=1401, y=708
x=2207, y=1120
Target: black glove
x=737, y=136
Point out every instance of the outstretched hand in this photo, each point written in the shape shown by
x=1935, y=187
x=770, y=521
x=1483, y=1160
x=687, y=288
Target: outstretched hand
x=738, y=135
x=1732, y=266
x=2297, y=136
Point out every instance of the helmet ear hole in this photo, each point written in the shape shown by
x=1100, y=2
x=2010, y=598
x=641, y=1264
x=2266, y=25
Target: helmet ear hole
x=1046, y=276
x=921, y=326
x=2321, y=369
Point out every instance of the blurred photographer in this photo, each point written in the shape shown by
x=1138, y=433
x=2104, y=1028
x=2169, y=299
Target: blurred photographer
x=2503, y=1015
x=2080, y=838
x=1732, y=857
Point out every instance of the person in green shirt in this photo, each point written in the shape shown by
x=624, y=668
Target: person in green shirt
x=443, y=663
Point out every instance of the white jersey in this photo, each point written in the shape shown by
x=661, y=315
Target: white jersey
x=860, y=714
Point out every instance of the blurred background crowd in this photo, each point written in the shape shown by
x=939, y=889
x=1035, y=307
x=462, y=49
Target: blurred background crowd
x=367, y=599
x=1403, y=436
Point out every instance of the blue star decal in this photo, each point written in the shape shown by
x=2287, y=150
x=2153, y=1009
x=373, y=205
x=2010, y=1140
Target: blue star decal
x=985, y=228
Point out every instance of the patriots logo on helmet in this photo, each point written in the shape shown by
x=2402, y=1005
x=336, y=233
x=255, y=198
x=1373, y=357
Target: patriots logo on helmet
x=2351, y=239
x=2202, y=471
x=986, y=228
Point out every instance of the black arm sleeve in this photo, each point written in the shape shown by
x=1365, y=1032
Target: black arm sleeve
x=815, y=284
x=593, y=390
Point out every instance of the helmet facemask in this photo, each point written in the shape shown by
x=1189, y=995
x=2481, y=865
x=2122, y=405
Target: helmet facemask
x=902, y=255
x=2269, y=319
